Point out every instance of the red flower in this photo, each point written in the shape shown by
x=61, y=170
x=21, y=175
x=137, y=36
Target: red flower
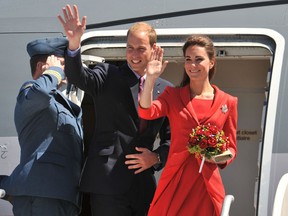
x=213, y=129
x=208, y=133
x=193, y=140
x=223, y=147
x=200, y=131
x=212, y=141
x=203, y=144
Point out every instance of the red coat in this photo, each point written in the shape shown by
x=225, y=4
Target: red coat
x=182, y=190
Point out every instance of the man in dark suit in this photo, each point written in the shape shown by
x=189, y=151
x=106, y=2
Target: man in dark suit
x=46, y=181
x=119, y=169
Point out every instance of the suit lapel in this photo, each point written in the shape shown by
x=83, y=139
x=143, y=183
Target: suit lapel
x=156, y=89
x=130, y=82
x=134, y=91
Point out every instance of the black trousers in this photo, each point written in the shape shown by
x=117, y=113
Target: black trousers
x=135, y=202
x=41, y=206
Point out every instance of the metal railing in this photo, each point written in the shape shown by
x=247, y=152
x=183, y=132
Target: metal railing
x=280, y=207
x=226, y=205
x=2, y=193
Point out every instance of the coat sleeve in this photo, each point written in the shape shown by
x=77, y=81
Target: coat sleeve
x=35, y=95
x=88, y=80
x=159, y=108
x=230, y=129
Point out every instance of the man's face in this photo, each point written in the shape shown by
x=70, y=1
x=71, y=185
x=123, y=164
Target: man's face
x=138, y=51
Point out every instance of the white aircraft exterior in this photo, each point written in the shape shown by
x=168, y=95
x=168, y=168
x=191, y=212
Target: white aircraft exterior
x=252, y=52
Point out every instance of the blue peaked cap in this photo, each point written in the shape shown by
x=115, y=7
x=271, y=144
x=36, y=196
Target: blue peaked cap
x=47, y=46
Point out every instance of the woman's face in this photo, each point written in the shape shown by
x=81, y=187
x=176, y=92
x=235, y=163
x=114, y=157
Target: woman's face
x=197, y=63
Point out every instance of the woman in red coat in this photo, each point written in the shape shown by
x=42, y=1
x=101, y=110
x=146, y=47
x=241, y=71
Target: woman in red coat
x=182, y=190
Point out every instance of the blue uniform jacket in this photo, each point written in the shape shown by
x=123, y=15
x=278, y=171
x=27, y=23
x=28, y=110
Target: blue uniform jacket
x=50, y=137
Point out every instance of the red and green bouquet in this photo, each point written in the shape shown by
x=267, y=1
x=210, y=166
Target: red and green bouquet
x=207, y=141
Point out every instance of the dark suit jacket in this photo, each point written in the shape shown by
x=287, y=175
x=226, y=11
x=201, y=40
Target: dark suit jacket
x=114, y=91
x=50, y=136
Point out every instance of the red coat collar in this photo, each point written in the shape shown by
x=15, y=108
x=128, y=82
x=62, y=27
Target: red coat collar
x=218, y=99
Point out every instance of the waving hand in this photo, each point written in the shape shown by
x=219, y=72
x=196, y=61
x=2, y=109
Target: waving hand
x=155, y=66
x=154, y=69
x=73, y=28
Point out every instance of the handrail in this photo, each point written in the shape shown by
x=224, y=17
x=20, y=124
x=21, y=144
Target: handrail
x=2, y=193
x=226, y=205
x=280, y=207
